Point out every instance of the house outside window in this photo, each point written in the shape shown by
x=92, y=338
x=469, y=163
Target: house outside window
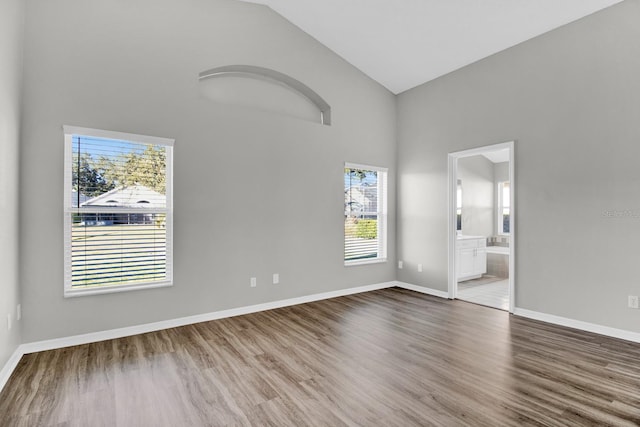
x=365, y=214
x=118, y=211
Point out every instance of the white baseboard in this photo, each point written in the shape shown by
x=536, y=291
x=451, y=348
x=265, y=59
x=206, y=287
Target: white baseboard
x=52, y=344
x=548, y=318
x=578, y=324
x=27, y=348
x=423, y=290
x=182, y=321
x=10, y=366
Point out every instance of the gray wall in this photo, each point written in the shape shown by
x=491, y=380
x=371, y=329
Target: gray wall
x=501, y=172
x=255, y=193
x=11, y=30
x=476, y=174
x=571, y=101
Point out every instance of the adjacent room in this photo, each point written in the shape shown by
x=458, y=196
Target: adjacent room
x=483, y=226
x=279, y=212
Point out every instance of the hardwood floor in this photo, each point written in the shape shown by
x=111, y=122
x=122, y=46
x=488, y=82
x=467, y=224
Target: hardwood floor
x=385, y=358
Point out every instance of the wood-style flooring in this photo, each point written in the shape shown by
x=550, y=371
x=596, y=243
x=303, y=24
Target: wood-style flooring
x=384, y=358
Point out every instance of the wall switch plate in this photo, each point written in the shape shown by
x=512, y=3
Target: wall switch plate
x=400, y=265
x=254, y=282
x=633, y=301
x=419, y=268
x=276, y=278
x=9, y=322
x=19, y=312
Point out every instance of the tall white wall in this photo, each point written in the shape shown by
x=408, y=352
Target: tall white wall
x=571, y=101
x=255, y=193
x=11, y=30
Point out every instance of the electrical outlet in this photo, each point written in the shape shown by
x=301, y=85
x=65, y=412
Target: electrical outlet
x=419, y=268
x=633, y=301
x=276, y=278
x=254, y=282
x=400, y=265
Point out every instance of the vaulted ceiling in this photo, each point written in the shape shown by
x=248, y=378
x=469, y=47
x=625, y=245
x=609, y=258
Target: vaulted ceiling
x=404, y=43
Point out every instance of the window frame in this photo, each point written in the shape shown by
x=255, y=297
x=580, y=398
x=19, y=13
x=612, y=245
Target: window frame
x=69, y=210
x=499, y=216
x=381, y=215
x=459, y=206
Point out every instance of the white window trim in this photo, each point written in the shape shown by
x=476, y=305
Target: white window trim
x=499, y=218
x=69, y=131
x=382, y=215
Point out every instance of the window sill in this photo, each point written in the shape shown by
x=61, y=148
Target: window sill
x=364, y=262
x=72, y=293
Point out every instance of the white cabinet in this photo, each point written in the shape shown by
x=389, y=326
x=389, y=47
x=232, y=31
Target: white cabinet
x=471, y=257
x=466, y=262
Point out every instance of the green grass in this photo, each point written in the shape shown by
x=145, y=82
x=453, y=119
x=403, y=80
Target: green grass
x=360, y=238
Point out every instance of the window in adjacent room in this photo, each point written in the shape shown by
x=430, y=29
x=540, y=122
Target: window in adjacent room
x=504, y=207
x=365, y=214
x=459, y=207
x=118, y=211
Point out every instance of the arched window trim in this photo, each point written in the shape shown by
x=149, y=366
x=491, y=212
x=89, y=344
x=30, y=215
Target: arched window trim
x=268, y=74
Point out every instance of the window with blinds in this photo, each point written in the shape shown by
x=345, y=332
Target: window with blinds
x=365, y=214
x=118, y=211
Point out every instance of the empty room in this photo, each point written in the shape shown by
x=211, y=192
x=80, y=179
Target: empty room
x=338, y=213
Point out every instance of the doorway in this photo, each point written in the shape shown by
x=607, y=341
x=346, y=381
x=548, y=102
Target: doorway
x=481, y=226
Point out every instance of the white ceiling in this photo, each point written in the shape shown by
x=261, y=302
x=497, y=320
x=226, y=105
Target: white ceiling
x=404, y=43
x=498, y=156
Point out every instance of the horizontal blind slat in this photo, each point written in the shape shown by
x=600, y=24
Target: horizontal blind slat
x=112, y=254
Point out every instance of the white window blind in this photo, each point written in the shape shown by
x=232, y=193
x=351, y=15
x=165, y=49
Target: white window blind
x=365, y=214
x=118, y=211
